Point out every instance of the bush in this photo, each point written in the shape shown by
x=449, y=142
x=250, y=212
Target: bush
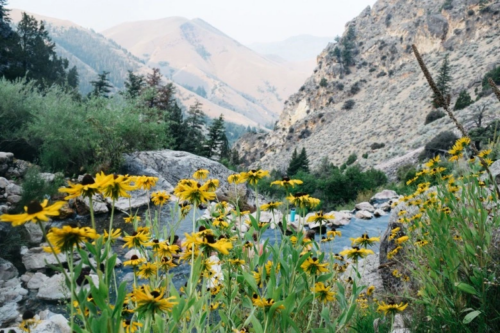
x=494, y=74
x=351, y=159
x=406, y=172
x=433, y=116
x=439, y=145
x=355, y=88
x=377, y=145
x=348, y=105
x=463, y=100
x=365, y=156
x=340, y=86
x=36, y=188
x=323, y=83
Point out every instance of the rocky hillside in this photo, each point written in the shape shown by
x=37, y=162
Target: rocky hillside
x=203, y=59
x=383, y=97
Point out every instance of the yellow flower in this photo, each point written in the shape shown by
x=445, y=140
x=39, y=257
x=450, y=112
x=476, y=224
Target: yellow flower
x=34, y=212
x=117, y=187
x=167, y=263
x=134, y=261
x=370, y=290
x=391, y=308
x=433, y=161
x=396, y=273
x=313, y=266
x=334, y=232
x=196, y=194
x=131, y=327
x=219, y=222
x=87, y=188
x=286, y=182
x=29, y=322
x=145, y=182
x=67, y=237
x=265, y=303
x=323, y=293
x=152, y=301
x=402, y=239
x=253, y=176
x=394, y=233
x=201, y=174
x=166, y=250
x=355, y=253
x=137, y=239
x=320, y=217
x=270, y=206
x=303, y=200
x=211, y=185
x=364, y=240
x=484, y=153
x=235, y=179
x=160, y=198
x=115, y=233
x=457, y=238
x=147, y=270
x=392, y=253
x=237, y=262
x=131, y=219
x=421, y=242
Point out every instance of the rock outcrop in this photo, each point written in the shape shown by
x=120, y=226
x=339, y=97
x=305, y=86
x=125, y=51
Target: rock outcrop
x=378, y=105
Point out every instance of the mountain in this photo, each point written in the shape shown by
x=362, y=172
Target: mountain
x=294, y=49
x=201, y=58
x=93, y=53
x=384, y=98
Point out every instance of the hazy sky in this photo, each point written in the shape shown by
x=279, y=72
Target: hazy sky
x=247, y=21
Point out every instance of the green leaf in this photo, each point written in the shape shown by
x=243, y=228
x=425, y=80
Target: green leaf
x=466, y=288
x=471, y=316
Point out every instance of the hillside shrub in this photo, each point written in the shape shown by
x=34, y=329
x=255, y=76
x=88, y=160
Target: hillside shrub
x=433, y=116
x=494, y=74
x=377, y=145
x=439, y=145
x=348, y=105
x=351, y=159
x=323, y=83
x=34, y=187
x=463, y=101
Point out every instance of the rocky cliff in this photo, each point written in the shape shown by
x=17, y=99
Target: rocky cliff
x=383, y=96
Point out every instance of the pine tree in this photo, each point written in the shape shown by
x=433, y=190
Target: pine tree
x=73, y=78
x=8, y=46
x=235, y=157
x=36, y=56
x=304, y=160
x=134, y=84
x=463, y=100
x=194, y=125
x=102, y=86
x=216, y=139
x=176, y=126
x=294, y=165
x=443, y=81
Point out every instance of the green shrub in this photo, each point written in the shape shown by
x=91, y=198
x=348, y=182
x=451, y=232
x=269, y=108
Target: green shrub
x=433, y=116
x=323, y=83
x=351, y=159
x=439, y=145
x=377, y=145
x=36, y=188
x=494, y=74
x=463, y=101
x=365, y=156
x=348, y=105
x=406, y=172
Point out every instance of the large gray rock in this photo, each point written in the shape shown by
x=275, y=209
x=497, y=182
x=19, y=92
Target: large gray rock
x=9, y=313
x=3, y=183
x=171, y=166
x=7, y=270
x=99, y=205
x=13, y=189
x=363, y=215
x=55, y=289
x=37, y=281
x=383, y=196
x=365, y=206
x=437, y=25
x=36, y=258
x=6, y=157
x=17, y=169
x=34, y=233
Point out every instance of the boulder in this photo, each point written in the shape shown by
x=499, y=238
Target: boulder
x=13, y=189
x=34, y=233
x=383, y=196
x=26, y=277
x=82, y=206
x=55, y=289
x=371, y=275
x=65, y=212
x=17, y=169
x=363, y=215
x=386, y=206
x=379, y=213
x=131, y=253
x=3, y=183
x=7, y=270
x=138, y=199
x=9, y=313
x=13, y=199
x=6, y=157
x=11, y=293
x=48, y=177
x=365, y=206
x=37, y=281
x=341, y=218
x=36, y=258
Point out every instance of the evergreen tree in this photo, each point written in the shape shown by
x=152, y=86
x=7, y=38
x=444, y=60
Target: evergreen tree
x=134, y=84
x=463, y=100
x=295, y=164
x=73, y=78
x=194, y=125
x=443, y=81
x=176, y=127
x=304, y=160
x=348, y=47
x=235, y=157
x=102, y=86
x=8, y=46
x=216, y=140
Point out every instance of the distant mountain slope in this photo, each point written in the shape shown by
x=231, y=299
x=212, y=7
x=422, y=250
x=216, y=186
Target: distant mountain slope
x=384, y=99
x=196, y=55
x=92, y=53
x=294, y=49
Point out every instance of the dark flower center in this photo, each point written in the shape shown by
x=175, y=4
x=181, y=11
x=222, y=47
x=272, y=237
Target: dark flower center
x=28, y=315
x=156, y=241
x=210, y=239
x=127, y=322
x=254, y=296
x=88, y=180
x=285, y=179
x=314, y=259
x=155, y=293
x=134, y=257
x=34, y=207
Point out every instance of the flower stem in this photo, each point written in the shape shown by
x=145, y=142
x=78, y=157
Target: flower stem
x=91, y=208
